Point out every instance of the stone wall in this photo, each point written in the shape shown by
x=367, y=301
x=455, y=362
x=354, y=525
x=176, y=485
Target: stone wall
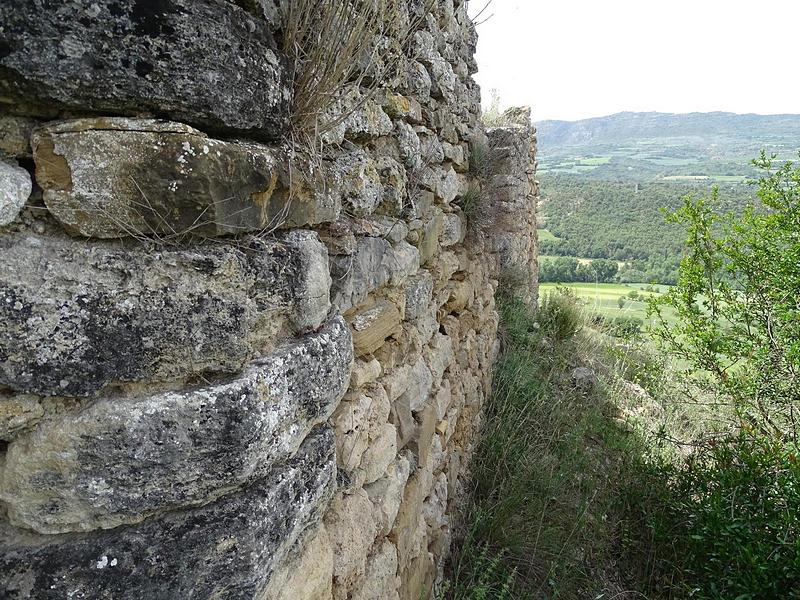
x=228, y=371
x=514, y=193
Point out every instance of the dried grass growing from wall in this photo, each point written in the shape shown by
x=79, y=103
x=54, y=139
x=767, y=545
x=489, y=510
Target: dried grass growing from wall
x=336, y=47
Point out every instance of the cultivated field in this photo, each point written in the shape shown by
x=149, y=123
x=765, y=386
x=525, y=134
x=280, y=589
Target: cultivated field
x=604, y=298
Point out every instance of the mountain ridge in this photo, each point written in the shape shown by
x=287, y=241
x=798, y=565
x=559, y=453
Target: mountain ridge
x=630, y=125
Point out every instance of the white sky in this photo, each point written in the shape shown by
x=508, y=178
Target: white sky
x=574, y=59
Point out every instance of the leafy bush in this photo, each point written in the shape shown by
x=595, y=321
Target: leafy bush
x=736, y=301
x=622, y=325
x=726, y=520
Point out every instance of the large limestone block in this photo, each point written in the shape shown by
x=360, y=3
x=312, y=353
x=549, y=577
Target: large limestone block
x=122, y=459
x=117, y=177
x=226, y=549
x=76, y=317
x=15, y=188
x=204, y=62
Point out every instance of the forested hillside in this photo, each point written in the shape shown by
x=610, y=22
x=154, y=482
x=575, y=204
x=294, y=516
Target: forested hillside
x=605, y=182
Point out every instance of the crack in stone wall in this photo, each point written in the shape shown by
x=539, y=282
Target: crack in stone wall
x=227, y=372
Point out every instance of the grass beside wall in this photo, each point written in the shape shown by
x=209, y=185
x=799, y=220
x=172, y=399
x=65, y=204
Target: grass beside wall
x=547, y=517
x=592, y=479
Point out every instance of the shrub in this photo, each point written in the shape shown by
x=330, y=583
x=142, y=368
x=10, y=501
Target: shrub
x=338, y=47
x=513, y=281
x=472, y=203
x=561, y=314
x=621, y=326
x=738, y=320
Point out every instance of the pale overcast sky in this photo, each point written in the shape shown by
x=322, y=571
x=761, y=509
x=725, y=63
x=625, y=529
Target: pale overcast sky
x=573, y=59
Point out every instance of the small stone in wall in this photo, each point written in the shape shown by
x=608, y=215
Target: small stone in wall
x=17, y=414
x=371, y=326
x=15, y=136
x=352, y=532
x=380, y=581
x=386, y=494
x=15, y=189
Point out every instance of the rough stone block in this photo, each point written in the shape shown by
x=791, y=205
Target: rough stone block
x=131, y=56
x=76, y=317
x=380, y=453
x=454, y=231
x=226, y=549
x=117, y=177
x=365, y=373
x=422, y=438
x=352, y=532
x=380, y=580
x=419, y=293
x=15, y=188
x=420, y=384
x=374, y=264
x=408, y=533
x=398, y=106
x=307, y=574
x=386, y=494
x=351, y=423
x=417, y=580
x=429, y=243
x=122, y=459
x=15, y=136
x=18, y=414
x=371, y=326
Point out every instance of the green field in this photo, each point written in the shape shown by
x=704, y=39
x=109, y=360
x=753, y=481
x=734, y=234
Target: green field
x=603, y=298
x=595, y=161
x=544, y=234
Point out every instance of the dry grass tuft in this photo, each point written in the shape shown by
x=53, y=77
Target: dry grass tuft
x=338, y=47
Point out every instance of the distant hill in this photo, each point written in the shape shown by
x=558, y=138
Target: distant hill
x=605, y=180
x=631, y=126
x=649, y=146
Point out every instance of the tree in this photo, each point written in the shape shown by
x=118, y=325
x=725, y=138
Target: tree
x=737, y=301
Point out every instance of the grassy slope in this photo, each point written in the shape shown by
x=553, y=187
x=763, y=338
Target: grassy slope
x=552, y=516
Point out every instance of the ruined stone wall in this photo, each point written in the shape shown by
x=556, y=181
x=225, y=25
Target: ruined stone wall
x=228, y=371
x=513, y=193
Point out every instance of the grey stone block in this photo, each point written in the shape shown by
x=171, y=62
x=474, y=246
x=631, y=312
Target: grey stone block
x=118, y=177
x=75, y=318
x=121, y=460
x=15, y=188
x=226, y=549
x=205, y=62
